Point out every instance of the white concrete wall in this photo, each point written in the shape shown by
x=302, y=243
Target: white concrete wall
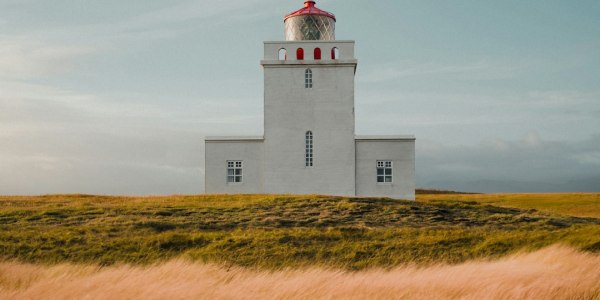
x=400, y=150
x=219, y=151
x=346, y=49
x=343, y=164
x=327, y=110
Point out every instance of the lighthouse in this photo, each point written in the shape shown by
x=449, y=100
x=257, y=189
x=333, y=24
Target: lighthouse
x=309, y=144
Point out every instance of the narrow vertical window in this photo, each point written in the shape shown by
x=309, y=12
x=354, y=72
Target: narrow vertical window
x=317, y=53
x=335, y=53
x=308, y=79
x=384, y=171
x=309, y=149
x=300, y=54
x=234, y=171
x=282, y=54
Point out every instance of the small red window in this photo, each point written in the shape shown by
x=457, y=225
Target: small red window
x=300, y=54
x=317, y=53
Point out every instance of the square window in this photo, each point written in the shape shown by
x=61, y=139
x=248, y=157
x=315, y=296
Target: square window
x=384, y=171
x=234, y=171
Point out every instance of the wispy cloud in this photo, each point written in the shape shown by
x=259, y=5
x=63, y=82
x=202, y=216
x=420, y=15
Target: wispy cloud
x=22, y=57
x=472, y=70
x=52, y=50
x=475, y=108
x=36, y=107
x=190, y=10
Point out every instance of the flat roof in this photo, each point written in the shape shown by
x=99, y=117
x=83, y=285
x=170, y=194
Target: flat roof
x=233, y=138
x=358, y=138
x=311, y=41
x=406, y=137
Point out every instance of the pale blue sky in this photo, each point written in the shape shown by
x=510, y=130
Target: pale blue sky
x=114, y=97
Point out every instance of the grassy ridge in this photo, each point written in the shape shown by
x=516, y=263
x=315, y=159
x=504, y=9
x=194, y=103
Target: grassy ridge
x=581, y=205
x=277, y=231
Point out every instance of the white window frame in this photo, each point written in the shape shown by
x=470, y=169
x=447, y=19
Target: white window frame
x=309, y=150
x=308, y=79
x=282, y=54
x=235, y=171
x=387, y=174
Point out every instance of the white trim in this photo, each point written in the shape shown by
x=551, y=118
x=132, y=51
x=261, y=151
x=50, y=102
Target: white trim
x=310, y=41
x=269, y=63
x=371, y=138
x=210, y=139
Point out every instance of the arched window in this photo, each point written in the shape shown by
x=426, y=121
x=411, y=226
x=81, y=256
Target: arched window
x=308, y=79
x=317, y=53
x=282, y=54
x=300, y=54
x=309, y=149
x=335, y=53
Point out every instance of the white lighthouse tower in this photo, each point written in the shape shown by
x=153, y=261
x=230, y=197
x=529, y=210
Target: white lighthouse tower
x=309, y=144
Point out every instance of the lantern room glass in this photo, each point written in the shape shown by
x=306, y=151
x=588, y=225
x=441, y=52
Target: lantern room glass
x=310, y=27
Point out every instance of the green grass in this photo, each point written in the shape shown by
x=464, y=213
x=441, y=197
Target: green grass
x=279, y=231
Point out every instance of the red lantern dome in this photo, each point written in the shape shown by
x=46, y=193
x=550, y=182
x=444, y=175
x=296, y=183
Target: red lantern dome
x=310, y=9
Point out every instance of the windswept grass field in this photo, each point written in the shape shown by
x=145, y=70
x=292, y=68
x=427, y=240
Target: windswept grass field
x=459, y=244
x=554, y=273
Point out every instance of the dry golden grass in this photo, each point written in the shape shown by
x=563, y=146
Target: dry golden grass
x=552, y=273
x=571, y=204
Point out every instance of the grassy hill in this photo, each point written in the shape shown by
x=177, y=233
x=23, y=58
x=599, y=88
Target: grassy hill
x=287, y=231
x=581, y=205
